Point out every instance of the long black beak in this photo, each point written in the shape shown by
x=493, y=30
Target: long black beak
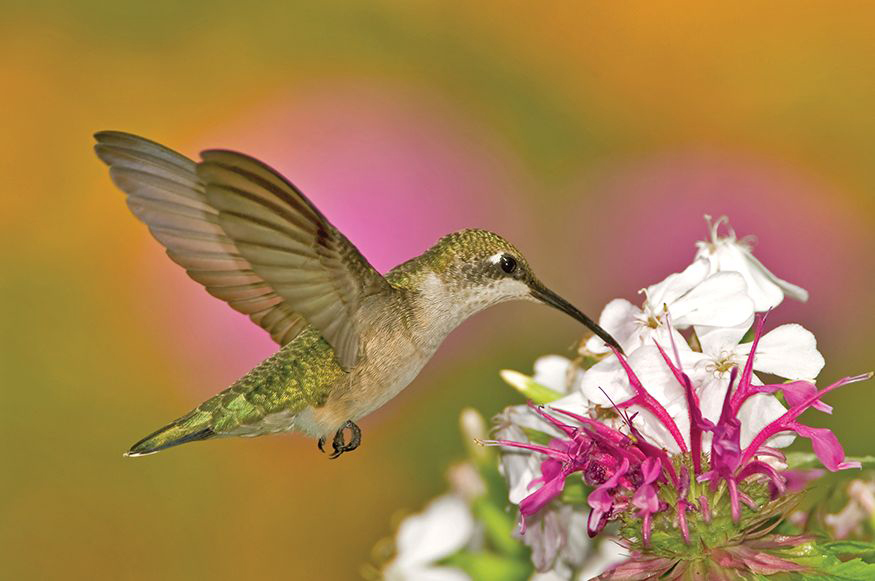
x=548, y=297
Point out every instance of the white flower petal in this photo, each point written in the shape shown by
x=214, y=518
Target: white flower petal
x=789, y=351
x=519, y=467
x=558, y=540
x=552, y=371
x=606, y=379
x=545, y=536
x=620, y=319
x=711, y=389
x=655, y=374
x=444, y=527
x=717, y=340
x=574, y=402
x=549, y=575
x=522, y=416
x=578, y=544
x=721, y=300
x=657, y=379
x=756, y=413
x=677, y=284
x=609, y=553
x=726, y=254
x=847, y=521
x=791, y=290
x=656, y=433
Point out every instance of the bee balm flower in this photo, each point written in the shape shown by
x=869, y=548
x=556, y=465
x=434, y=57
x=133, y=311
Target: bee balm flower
x=693, y=503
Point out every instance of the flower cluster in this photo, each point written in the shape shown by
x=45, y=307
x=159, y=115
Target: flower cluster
x=679, y=439
x=467, y=533
x=663, y=460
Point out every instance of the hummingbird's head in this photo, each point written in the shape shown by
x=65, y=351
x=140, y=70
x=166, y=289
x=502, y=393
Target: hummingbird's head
x=478, y=268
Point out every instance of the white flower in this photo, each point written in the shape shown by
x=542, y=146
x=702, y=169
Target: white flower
x=860, y=509
x=548, y=576
x=445, y=526
x=558, y=536
x=466, y=481
x=692, y=297
x=518, y=467
x=556, y=372
x=609, y=554
x=562, y=376
x=607, y=384
x=727, y=254
x=558, y=541
x=789, y=351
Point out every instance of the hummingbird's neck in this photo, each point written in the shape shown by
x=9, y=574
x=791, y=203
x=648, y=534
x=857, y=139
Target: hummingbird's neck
x=438, y=303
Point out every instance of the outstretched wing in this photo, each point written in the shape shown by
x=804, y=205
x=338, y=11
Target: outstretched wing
x=291, y=246
x=164, y=191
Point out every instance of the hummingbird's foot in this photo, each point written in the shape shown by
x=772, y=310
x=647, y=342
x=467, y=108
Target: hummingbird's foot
x=340, y=445
x=321, y=444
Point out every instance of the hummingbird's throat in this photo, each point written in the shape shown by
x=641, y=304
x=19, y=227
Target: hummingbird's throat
x=442, y=306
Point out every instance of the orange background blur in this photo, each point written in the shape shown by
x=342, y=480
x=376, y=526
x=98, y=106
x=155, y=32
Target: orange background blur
x=593, y=135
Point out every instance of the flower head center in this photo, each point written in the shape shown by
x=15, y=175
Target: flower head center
x=723, y=363
x=651, y=317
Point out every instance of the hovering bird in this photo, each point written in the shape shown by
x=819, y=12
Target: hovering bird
x=350, y=338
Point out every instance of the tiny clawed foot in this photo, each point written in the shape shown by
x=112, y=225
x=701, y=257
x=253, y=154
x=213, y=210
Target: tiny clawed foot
x=339, y=444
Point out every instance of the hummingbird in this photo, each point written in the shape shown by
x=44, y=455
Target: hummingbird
x=350, y=338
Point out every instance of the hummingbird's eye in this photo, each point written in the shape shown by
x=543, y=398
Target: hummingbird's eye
x=508, y=263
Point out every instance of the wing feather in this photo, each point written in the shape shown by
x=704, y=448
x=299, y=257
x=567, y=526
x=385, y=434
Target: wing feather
x=292, y=246
x=248, y=236
x=164, y=191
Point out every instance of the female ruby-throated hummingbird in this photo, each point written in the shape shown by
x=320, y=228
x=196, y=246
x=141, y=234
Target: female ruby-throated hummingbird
x=350, y=338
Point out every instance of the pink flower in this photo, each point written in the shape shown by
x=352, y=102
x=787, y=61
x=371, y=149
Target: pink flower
x=618, y=466
x=629, y=473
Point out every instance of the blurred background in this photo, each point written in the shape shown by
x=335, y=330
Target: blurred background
x=594, y=136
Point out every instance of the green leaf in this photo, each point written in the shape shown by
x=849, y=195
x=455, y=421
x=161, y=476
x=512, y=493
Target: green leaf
x=530, y=388
x=538, y=437
x=575, y=492
x=490, y=567
x=586, y=361
x=498, y=525
x=860, y=549
x=822, y=562
x=854, y=570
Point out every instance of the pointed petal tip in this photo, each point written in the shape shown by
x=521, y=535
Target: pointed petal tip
x=849, y=466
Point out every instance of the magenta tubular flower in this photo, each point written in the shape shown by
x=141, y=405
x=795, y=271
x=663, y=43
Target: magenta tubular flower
x=645, y=498
x=623, y=469
x=700, y=494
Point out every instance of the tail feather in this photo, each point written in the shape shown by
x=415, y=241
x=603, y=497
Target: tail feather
x=174, y=434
